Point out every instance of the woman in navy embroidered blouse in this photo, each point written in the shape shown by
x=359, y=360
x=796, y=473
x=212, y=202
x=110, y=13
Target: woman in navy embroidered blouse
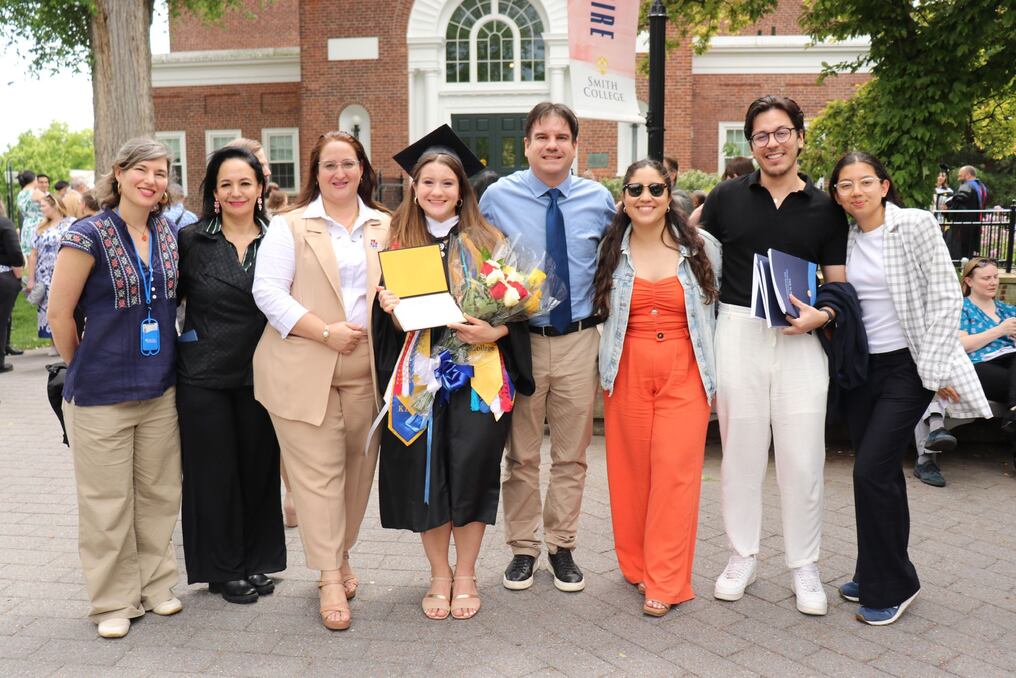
x=120, y=267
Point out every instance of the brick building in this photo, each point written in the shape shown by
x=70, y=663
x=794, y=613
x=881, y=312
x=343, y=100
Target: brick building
x=392, y=71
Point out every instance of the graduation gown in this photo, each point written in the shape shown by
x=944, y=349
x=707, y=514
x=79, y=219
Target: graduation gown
x=466, y=446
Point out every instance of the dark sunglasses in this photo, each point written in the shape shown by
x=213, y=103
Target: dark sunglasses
x=635, y=190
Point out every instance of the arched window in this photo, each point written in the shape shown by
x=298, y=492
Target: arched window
x=494, y=41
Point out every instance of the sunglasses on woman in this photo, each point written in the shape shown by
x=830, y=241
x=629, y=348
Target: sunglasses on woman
x=635, y=190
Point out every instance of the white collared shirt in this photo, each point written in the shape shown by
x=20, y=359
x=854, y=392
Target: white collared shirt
x=439, y=229
x=276, y=266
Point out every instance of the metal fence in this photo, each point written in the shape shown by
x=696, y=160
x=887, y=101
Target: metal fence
x=979, y=233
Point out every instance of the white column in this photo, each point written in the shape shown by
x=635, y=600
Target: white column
x=557, y=93
x=430, y=84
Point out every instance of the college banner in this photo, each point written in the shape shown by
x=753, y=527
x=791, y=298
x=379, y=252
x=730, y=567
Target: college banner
x=601, y=44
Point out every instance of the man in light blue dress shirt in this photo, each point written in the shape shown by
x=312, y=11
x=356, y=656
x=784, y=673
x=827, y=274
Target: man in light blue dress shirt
x=529, y=207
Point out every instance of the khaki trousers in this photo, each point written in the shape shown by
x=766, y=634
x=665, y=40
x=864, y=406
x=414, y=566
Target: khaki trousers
x=564, y=369
x=127, y=469
x=328, y=472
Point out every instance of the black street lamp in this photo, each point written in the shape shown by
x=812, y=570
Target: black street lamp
x=657, y=75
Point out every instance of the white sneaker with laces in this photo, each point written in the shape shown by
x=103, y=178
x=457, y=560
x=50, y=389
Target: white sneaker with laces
x=735, y=578
x=811, y=597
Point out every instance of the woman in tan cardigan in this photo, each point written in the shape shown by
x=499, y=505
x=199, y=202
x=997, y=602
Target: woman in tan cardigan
x=316, y=276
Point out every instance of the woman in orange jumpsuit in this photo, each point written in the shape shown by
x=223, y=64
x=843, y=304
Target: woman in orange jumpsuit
x=656, y=283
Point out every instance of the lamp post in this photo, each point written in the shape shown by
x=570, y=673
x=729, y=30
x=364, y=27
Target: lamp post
x=657, y=74
x=11, y=177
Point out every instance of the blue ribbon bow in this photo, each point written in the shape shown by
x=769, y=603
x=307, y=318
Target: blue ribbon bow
x=451, y=375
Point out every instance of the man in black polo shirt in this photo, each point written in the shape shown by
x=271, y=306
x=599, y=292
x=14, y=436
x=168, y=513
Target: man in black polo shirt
x=772, y=383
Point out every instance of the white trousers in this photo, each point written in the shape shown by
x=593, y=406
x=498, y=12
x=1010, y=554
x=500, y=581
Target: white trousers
x=770, y=387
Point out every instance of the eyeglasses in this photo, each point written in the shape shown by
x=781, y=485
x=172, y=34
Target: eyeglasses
x=865, y=183
x=346, y=165
x=635, y=190
x=781, y=134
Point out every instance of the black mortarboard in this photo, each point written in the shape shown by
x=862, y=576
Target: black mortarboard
x=441, y=140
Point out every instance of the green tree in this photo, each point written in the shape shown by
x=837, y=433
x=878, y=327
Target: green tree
x=54, y=151
x=110, y=40
x=939, y=68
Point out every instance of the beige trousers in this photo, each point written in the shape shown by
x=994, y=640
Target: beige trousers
x=127, y=468
x=328, y=472
x=564, y=369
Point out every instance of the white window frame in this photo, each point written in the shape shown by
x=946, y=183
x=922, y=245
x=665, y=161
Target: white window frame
x=213, y=133
x=280, y=131
x=182, y=138
x=721, y=138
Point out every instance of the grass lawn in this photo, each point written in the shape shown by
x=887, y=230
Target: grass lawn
x=25, y=331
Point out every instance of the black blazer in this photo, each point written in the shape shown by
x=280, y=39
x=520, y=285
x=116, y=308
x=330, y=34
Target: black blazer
x=10, y=247
x=220, y=310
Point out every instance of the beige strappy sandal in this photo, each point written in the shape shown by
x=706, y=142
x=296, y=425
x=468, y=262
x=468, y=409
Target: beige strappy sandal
x=436, y=601
x=340, y=624
x=466, y=601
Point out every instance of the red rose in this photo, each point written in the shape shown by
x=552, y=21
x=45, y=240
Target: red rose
x=486, y=269
x=498, y=290
x=521, y=289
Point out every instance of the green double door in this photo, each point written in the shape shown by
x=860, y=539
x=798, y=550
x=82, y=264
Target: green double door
x=496, y=139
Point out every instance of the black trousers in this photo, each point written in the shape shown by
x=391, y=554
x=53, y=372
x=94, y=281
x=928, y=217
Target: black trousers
x=9, y=288
x=881, y=416
x=998, y=378
x=232, y=513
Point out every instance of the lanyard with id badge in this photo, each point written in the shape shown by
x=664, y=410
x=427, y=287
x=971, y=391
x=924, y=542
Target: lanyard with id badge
x=150, y=342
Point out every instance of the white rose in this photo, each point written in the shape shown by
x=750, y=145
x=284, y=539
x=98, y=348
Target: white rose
x=511, y=297
x=494, y=277
x=516, y=277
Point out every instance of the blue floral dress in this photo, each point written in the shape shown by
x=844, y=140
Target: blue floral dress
x=46, y=245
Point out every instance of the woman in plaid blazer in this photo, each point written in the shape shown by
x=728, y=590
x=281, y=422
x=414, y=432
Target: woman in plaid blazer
x=910, y=303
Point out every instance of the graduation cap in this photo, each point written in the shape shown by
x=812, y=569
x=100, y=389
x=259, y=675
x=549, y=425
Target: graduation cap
x=441, y=140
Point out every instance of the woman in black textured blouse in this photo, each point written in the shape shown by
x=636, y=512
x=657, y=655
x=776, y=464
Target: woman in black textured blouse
x=232, y=521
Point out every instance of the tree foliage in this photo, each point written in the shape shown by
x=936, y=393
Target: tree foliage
x=53, y=151
x=942, y=77
x=54, y=34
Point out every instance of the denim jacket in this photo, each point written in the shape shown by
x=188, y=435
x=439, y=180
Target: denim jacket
x=701, y=316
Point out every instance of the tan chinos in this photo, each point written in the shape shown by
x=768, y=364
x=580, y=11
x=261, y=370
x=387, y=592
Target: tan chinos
x=127, y=470
x=564, y=369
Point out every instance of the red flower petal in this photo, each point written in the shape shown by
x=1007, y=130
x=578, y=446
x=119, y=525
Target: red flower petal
x=498, y=290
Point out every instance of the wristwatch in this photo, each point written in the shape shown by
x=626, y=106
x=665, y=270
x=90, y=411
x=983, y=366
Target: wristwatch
x=325, y=334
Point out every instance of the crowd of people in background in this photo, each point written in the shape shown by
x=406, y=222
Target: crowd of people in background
x=286, y=354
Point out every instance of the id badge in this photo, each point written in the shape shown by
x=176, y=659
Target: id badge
x=150, y=342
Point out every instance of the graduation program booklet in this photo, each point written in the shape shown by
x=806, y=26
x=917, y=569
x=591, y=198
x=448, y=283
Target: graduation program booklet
x=417, y=276
x=792, y=275
x=765, y=302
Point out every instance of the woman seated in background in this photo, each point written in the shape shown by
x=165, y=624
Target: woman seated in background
x=656, y=284
x=48, y=234
x=232, y=522
x=987, y=330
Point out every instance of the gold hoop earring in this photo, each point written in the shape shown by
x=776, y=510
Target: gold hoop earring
x=459, y=203
x=668, y=208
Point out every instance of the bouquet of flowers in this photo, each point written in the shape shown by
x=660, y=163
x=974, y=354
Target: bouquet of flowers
x=499, y=286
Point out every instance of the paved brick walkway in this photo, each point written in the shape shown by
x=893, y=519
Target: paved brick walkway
x=963, y=542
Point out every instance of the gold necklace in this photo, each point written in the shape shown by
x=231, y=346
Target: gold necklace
x=144, y=233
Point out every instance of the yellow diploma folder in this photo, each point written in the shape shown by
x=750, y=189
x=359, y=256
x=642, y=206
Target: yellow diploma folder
x=417, y=276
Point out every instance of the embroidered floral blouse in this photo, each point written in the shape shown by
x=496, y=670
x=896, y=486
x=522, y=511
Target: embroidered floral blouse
x=108, y=367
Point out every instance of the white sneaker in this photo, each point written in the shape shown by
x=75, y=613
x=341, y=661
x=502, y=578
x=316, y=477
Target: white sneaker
x=116, y=627
x=735, y=578
x=811, y=597
x=168, y=607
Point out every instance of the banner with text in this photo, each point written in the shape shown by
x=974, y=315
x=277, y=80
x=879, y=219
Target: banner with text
x=601, y=44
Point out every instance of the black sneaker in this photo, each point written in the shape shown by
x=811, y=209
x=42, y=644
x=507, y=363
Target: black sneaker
x=940, y=440
x=567, y=575
x=929, y=474
x=519, y=575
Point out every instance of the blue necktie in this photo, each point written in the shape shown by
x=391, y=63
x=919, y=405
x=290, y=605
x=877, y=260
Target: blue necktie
x=557, y=250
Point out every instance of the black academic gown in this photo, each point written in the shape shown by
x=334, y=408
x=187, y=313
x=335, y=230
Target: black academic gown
x=466, y=446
